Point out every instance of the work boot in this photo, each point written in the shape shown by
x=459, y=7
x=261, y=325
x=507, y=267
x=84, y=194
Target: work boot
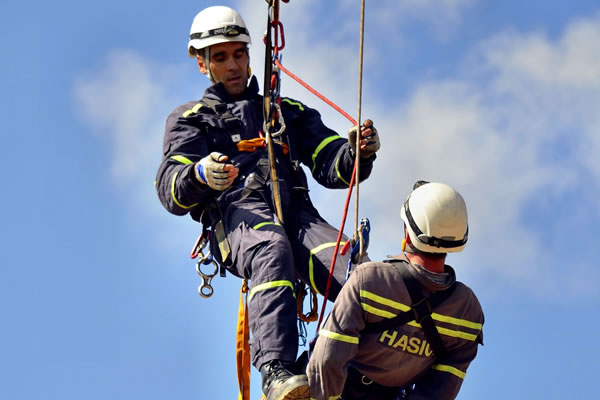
x=279, y=383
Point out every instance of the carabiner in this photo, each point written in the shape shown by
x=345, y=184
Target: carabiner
x=200, y=244
x=279, y=119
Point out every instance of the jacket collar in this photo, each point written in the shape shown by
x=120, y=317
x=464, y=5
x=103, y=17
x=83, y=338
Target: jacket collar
x=218, y=90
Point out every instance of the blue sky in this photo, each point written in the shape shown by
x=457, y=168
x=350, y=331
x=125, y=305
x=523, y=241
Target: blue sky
x=498, y=99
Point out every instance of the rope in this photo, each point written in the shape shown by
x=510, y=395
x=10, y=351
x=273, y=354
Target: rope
x=355, y=171
x=358, y=135
x=348, y=196
x=268, y=115
x=335, y=251
x=316, y=93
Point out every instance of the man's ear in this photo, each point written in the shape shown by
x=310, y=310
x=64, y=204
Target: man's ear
x=202, y=65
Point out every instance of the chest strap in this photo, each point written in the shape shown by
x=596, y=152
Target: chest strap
x=233, y=123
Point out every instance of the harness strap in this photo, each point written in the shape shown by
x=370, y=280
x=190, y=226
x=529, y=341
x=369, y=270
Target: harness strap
x=213, y=217
x=233, y=123
x=420, y=311
x=359, y=387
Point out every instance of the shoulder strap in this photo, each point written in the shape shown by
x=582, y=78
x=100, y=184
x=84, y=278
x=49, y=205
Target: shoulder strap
x=233, y=123
x=420, y=311
x=421, y=307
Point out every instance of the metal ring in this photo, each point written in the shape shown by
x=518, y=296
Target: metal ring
x=209, y=290
x=202, y=274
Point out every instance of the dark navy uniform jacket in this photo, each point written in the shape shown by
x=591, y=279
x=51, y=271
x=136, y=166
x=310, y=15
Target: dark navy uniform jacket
x=194, y=130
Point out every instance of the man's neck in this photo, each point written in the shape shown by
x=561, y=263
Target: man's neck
x=432, y=265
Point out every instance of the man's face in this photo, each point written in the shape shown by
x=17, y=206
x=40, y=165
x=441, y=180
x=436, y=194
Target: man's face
x=229, y=65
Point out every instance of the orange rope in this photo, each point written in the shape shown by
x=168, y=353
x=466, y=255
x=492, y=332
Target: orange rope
x=243, y=346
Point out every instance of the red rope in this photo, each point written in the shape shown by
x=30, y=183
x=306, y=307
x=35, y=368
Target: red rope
x=313, y=91
x=335, y=251
x=348, y=196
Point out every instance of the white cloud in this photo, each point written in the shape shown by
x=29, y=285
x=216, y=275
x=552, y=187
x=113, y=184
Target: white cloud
x=121, y=102
x=126, y=102
x=439, y=16
x=491, y=132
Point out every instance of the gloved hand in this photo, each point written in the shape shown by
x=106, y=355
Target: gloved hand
x=214, y=172
x=369, y=142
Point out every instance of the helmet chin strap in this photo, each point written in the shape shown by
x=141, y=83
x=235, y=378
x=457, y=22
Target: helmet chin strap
x=409, y=249
x=207, y=61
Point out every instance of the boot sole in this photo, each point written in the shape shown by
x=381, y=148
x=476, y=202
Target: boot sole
x=300, y=393
x=297, y=390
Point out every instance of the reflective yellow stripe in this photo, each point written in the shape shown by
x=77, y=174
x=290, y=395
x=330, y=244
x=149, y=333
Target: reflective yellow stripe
x=338, y=336
x=382, y=300
x=337, y=171
x=173, y=193
x=265, y=223
x=294, y=103
x=321, y=146
x=270, y=285
x=443, y=318
x=182, y=159
x=458, y=334
x=448, y=332
x=311, y=266
x=450, y=369
x=377, y=311
x=456, y=321
x=193, y=110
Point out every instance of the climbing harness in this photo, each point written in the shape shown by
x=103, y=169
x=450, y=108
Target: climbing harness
x=420, y=310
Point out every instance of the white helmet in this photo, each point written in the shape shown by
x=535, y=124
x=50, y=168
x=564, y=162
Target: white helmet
x=215, y=25
x=435, y=216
